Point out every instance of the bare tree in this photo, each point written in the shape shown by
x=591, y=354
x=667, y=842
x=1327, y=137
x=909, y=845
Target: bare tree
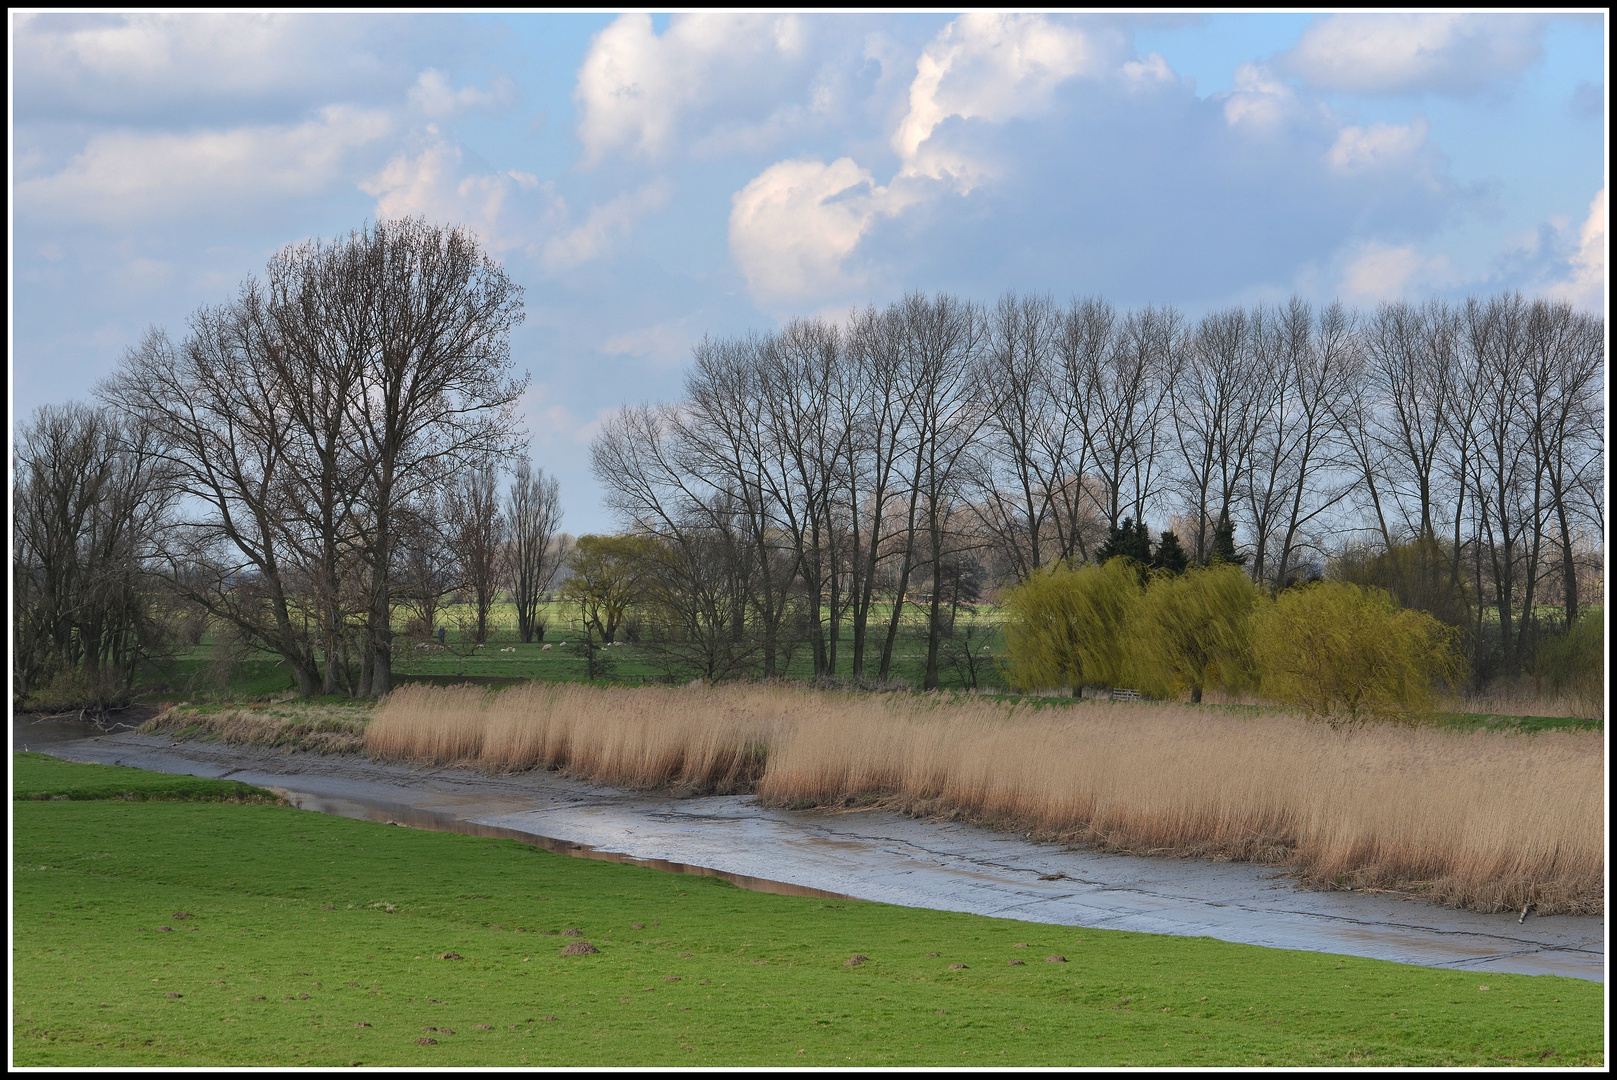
x=808, y=449
x=428, y=567
x=724, y=433
x=88, y=500
x=878, y=406
x=1300, y=377
x=1411, y=357
x=1029, y=437
x=216, y=413
x=1217, y=400
x=435, y=390
x=944, y=337
x=477, y=533
x=1133, y=383
x=1566, y=362
x=312, y=328
x=1507, y=480
x=533, y=553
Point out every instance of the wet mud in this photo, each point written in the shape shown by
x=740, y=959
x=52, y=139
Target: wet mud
x=871, y=855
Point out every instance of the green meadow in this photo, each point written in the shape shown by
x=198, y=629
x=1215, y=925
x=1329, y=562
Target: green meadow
x=169, y=930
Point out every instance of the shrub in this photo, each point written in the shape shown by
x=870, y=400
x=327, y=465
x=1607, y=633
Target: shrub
x=1345, y=652
x=1193, y=630
x=1574, y=663
x=1064, y=628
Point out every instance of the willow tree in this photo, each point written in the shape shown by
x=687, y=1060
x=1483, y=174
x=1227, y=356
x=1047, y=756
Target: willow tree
x=1065, y=628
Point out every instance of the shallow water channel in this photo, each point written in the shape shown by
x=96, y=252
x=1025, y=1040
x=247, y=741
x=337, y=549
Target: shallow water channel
x=870, y=855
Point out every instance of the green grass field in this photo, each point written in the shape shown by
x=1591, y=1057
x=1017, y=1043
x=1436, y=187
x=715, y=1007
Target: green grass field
x=40, y=776
x=204, y=933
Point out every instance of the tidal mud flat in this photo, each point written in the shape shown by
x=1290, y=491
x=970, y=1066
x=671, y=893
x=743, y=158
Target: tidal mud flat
x=872, y=855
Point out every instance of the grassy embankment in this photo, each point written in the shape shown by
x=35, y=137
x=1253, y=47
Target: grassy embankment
x=168, y=934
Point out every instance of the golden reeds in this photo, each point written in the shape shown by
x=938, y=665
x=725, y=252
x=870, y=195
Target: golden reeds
x=321, y=729
x=1480, y=819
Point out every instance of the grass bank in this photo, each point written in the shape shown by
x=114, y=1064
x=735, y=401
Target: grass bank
x=42, y=777
x=1471, y=819
x=187, y=934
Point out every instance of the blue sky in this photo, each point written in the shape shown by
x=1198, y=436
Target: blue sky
x=649, y=179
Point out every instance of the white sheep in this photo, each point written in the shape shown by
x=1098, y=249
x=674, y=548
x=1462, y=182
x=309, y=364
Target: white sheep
x=512, y=648
x=544, y=648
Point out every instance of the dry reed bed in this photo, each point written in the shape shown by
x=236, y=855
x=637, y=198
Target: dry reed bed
x=321, y=730
x=1478, y=820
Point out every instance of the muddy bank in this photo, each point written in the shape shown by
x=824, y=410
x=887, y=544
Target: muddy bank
x=877, y=855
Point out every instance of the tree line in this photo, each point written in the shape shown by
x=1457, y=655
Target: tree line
x=303, y=462
x=814, y=481
x=326, y=453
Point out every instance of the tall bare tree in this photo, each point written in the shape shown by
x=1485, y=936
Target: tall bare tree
x=534, y=551
x=1301, y=365
x=1217, y=401
x=477, y=532
x=435, y=390
x=216, y=411
x=1029, y=436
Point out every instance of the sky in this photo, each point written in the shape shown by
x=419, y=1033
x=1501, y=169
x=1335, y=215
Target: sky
x=650, y=179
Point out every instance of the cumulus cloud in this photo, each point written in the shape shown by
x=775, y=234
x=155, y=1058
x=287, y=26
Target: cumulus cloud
x=430, y=184
x=123, y=176
x=1444, y=52
x=435, y=99
x=993, y=67
x=1585, y=285
x=1378, y=271
x=1381, y=145
x=1258, y=101
x=794, y=226
x=731, y=75
x=604, y=227
x=510, y=210
x=148, y=63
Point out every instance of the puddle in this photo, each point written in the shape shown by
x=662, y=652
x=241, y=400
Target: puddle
x=878, y=856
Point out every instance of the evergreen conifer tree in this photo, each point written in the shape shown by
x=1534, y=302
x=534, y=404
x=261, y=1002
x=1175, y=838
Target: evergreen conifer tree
x=1223, y=548
x=1170, y=555
x=1129, y=540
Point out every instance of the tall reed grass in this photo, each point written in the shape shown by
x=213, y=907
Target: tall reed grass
x=1479, y=819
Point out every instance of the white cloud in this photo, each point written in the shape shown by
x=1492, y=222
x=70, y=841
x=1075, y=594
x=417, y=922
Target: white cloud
x=1381, y=271
x=1446, y=52
x=1259, y=101
x=795, y=225
x=666, y=344
x=429, y=184
x=1586, y=285
x=509, y=210
x=605, y=226
x=1381, y=145
x=149, y=62
x=434, y=98
x=989, y=66
x=636, y=91
x=123, y=176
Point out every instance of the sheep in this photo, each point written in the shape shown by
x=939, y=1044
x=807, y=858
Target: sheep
x=512, y=648
x=544, y=648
